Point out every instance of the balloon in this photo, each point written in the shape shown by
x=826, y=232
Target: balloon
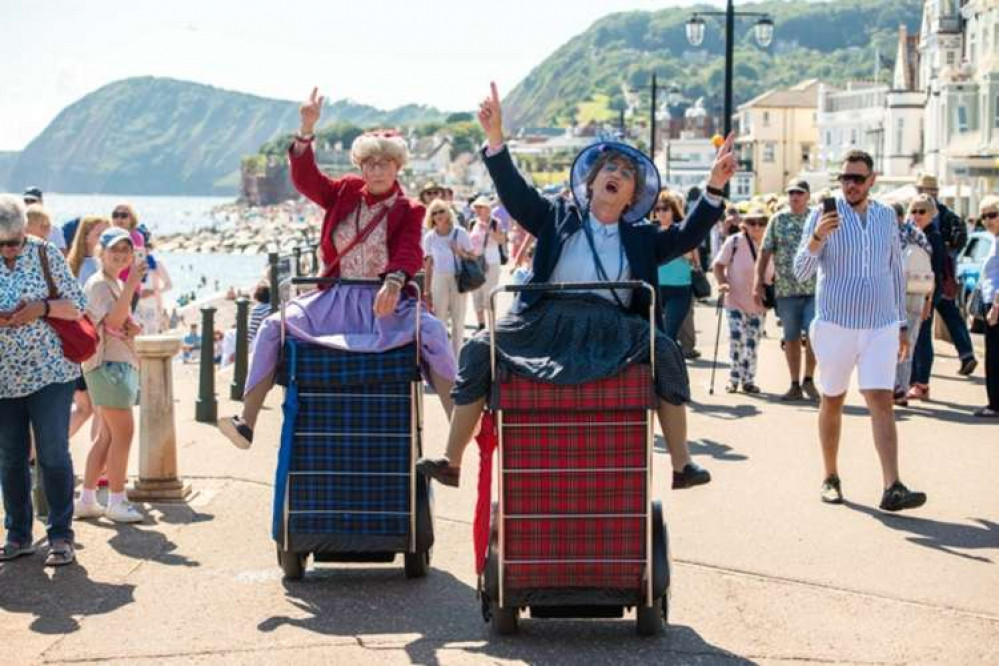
x=717, y=140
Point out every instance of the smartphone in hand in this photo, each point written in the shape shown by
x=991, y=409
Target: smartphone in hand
x=829, y=206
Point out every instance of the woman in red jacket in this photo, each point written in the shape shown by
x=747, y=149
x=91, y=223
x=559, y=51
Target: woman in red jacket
x=371, y=230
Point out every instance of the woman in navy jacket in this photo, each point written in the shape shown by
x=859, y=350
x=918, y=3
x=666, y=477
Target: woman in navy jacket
x=577, y=337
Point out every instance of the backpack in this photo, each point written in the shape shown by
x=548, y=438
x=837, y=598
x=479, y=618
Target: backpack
x=918, y=270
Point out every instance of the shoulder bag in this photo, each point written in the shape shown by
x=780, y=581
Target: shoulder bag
x=470, y=273
x=79, y=337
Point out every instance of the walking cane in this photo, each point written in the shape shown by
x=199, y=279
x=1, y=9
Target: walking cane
x=714, y=361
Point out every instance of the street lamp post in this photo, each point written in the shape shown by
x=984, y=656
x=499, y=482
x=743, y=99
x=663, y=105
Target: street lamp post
x=764, y=33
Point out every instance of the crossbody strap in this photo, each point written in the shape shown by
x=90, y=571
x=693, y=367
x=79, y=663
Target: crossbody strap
x=359, y=238
x=43, y=258
x=601, y=273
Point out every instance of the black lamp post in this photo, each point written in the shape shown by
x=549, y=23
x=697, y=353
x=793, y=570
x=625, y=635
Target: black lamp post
x=764, y=33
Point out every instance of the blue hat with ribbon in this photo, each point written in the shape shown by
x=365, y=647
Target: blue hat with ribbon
x=647, y=183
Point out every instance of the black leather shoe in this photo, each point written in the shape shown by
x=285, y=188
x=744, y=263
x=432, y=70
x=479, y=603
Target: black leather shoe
x=898, y=498
x=691, y=475
x=440, y=470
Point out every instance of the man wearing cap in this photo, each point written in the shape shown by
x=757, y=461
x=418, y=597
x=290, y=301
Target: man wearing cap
x=795, y=299
x=33, y=195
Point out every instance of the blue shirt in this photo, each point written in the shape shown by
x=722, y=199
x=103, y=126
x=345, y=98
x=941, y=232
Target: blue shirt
x=675, y=273
x=861, y=276
x=576, y=264
x=990, y=275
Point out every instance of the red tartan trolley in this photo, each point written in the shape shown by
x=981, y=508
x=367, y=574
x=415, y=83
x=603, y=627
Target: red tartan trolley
x=574, y=532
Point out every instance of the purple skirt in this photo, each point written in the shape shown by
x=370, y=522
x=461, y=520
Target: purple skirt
x=344, y=318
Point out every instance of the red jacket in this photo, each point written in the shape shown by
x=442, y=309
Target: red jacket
x=340, y=196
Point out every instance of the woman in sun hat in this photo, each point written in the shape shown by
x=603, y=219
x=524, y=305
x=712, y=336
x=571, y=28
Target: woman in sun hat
x=575, y=337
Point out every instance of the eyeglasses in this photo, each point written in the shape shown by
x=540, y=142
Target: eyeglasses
x=626, y=172
x=919, y=211
x=12, y=243
x=376, y=165
x=855, y=178
x=439, y=212
x=990, y=216
x=662, y=209
x=120, y=215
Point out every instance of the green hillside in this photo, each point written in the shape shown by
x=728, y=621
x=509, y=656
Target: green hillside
x=162, y=136
x=586, y=77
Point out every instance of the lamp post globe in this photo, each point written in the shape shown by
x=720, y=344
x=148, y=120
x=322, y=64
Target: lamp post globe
x=764, y=32
x=695, y=30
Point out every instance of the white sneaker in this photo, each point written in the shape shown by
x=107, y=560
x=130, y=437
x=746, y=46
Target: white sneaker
x=123, y=512
x=83, y=510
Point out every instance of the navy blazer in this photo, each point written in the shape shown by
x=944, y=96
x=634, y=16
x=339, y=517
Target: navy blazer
x=553, y=221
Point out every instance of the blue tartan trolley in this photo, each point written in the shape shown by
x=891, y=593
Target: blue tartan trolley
x=346, y=488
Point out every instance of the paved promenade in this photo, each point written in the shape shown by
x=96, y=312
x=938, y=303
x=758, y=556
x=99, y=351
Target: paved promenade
x=764, y=573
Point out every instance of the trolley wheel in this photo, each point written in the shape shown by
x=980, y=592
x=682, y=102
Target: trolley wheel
x=504, y=620
x=650, y=620
x=293, y=564
x=417, y=564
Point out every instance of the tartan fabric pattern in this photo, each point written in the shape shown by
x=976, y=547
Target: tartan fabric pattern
x=323, y=367
x=632, y=389
x=575, y=538
x=312, y=492
x=586, y=445
x=576, y=575
x=575, y=493
x=381, y=524
x=353, y=418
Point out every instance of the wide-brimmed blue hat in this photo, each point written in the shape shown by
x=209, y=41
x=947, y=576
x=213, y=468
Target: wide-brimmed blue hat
x=647, y=185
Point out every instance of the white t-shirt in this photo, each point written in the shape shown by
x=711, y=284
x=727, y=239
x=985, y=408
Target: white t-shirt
x=439, y=248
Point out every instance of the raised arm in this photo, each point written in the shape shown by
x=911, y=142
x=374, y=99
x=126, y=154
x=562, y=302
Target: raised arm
x=305, y=175
x=522, y=201
x=806, y=259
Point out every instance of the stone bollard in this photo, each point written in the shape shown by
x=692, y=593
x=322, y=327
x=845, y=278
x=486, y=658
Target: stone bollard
x=158, y=480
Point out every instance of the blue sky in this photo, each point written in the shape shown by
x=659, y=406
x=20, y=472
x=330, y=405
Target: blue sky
x=380, y=52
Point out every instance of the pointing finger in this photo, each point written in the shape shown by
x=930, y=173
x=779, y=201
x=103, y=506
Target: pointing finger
x=315, y=91
x=495, y=93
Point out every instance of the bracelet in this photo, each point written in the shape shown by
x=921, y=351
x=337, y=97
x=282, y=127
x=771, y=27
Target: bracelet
x=714, y=191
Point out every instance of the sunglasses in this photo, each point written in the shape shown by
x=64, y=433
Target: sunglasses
x=662, y=209
x=919, y=211
x=990, y=216
x=440, y=212
x=120, y=215
x=855, y=178
x=626, y=173
x=12, y=243
x=755, y=223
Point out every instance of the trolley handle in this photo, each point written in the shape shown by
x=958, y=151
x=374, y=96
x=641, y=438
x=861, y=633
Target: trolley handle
x=357, y=282
x=572, y=286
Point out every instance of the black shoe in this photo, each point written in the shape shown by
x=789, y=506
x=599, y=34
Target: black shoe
x=968, y=366
x=898, y=497
x=810, y=390
x=750, y=387
x=793, y=394
x=691, y=354
x=831, y=492
x=236, y=430
x=691, y=475
x=439, y=469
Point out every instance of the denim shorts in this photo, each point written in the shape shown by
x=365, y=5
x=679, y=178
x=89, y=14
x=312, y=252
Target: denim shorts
x=796, y=315
x=114, y=385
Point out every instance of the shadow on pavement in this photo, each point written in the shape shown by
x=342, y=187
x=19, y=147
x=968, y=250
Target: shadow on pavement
x=56, y=603
x=954, y=413
x=441, y=613
x=727, y=412
x=146, y=544
x=705, y=447
x=937, y=534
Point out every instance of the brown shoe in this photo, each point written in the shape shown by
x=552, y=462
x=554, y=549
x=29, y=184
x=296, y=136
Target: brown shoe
x=439, y=469
x=793, y=394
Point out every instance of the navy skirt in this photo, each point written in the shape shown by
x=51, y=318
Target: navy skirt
x=570, y=339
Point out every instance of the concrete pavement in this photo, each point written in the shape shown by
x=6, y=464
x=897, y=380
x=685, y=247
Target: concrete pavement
x=764, y=572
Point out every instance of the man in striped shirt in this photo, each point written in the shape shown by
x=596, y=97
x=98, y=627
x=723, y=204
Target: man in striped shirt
x=860, y=320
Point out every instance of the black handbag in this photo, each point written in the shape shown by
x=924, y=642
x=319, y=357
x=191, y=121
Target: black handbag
x=700, y=285
x=470, y=273
x=502, y=249
x=769, y=293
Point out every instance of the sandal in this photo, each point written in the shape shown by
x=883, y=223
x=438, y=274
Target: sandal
x=13, y=550
x=60, y=554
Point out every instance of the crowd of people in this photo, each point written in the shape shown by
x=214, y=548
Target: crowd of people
x=853, y=284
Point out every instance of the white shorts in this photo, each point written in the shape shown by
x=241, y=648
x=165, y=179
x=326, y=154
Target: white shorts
x=838, y=350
